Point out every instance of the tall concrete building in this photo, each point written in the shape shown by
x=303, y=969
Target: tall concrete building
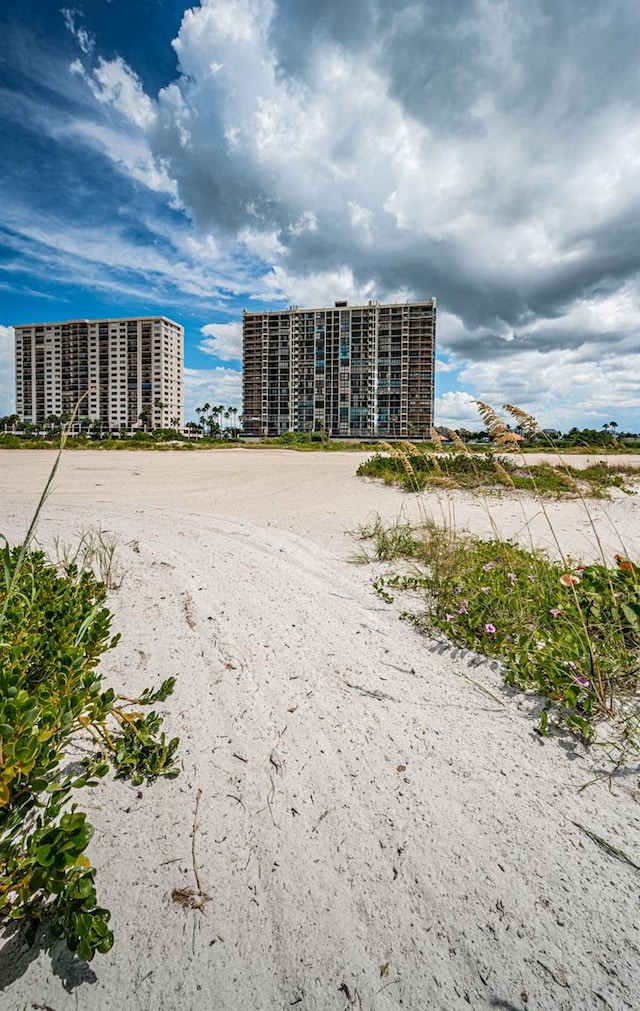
x=364, y=370
x=127, y=368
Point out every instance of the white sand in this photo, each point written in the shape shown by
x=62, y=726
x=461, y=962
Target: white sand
x=299, y=695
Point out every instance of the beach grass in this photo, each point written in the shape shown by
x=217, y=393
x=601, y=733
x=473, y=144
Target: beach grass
x=568, y=631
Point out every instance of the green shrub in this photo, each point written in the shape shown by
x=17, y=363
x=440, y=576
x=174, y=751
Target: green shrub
x=53, y=630
x=416, y=468
x=572, y=634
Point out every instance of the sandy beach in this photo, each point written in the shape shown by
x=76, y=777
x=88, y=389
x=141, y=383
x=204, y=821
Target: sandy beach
x=375, y=832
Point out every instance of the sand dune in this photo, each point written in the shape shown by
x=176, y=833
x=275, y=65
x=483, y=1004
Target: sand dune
x=375, y=831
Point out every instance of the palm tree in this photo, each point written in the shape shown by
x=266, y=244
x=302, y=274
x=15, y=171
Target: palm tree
x=159, y=406
x=212, y=421
x=145, y=416
x=234, y=412
x=9, y=422
x=202, y=415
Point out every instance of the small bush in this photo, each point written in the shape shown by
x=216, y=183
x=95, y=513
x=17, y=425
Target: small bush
x=415, y=469
x=53, y=630
x=572, y=635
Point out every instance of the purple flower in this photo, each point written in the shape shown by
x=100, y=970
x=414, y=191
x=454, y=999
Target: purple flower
x=490, y=628
x=462, y=610
x=485, y=589
x=555, y=611
x=582, y=682
x=512, y=577
x=488, y=567
x=450, y=617
x=457, y=589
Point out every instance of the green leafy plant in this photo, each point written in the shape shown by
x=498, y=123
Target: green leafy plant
x=572, y=635
x=53, y=630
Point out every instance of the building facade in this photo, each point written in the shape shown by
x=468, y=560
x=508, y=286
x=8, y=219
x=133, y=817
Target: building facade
x=358, y=371
x=129, y=372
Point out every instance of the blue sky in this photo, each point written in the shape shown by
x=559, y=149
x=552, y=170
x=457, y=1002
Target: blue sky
x=198, y=160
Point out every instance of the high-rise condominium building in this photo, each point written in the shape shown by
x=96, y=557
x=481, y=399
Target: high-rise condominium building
x=349, y=371
x=131, y=371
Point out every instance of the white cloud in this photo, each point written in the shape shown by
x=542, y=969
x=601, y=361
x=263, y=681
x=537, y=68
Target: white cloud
x=562, y=388
x=265, y=245
x=324, y=288
x=362, y=220
x=223, y=341
x=317, y=289
x=85, y=39
x=442, y=366
x=307, y=222
x=457, y=409
x=496, y=170
x=212, y=386
x=7, y=371
x=167, y=263
x=129, y=153
x=114, y=83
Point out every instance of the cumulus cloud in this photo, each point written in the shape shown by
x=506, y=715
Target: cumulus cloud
x=213, y=386
x=223, y=341
x=496, y=168
x=114, y=83
x=562, y=388
x=485, y=153
x=457, y=409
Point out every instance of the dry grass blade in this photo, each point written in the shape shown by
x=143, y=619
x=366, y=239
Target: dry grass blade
x=607, y=846
x=509, y=440
x=24, y=547
x=406, y=462
x=447, y=483
x=391, y=450
x=494, y=423
x=506, y=477
x=566, y=478
x=193, y=898
x=458, y=442
x=527, y=422
x=434, y=435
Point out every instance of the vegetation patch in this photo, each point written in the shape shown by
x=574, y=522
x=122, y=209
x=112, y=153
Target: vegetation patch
x=417, y=468
x=571, y=632
x=54, y=627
